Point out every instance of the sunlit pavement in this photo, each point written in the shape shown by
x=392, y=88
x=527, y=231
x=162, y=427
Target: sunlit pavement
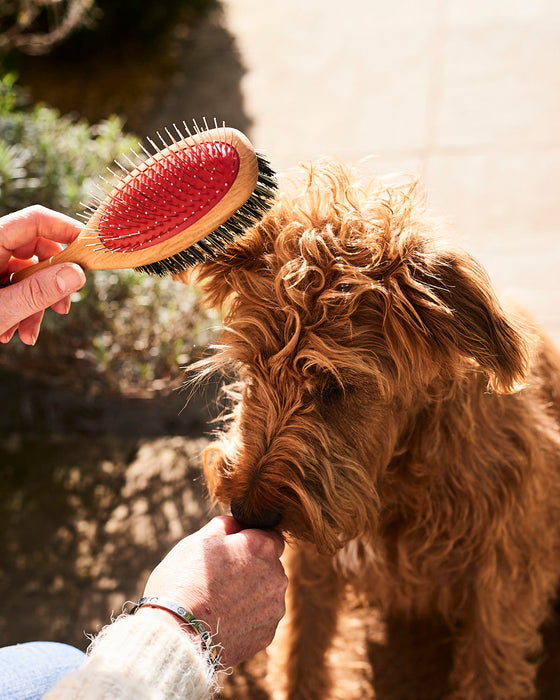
x=466, y=94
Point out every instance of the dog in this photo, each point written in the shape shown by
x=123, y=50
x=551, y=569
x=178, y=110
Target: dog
x=394, y=422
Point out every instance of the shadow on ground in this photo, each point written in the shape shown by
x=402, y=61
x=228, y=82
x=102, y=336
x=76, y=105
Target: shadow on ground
x=84, y=518
x=83, y=522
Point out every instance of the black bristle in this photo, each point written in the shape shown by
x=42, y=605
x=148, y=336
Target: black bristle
x=215, y=243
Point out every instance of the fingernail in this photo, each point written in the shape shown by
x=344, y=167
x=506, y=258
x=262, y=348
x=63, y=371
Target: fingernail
x=69, y=278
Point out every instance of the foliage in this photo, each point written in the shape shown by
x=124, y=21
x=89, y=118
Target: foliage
x=51, y=159
x=126, y=331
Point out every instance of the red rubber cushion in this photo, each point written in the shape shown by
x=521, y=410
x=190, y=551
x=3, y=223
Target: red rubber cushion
x=169, y=196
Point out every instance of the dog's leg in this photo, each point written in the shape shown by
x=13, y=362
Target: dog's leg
x=492, y=656
x=306, y=633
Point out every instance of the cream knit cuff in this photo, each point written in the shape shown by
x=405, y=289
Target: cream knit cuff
x=140, y=658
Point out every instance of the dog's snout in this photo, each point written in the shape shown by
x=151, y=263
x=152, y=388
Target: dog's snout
x=264, y=519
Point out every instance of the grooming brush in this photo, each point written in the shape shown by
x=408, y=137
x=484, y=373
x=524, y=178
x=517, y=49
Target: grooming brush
x=180, y=206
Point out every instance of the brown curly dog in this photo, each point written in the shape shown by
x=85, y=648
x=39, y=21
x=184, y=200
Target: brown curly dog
x=395, y=423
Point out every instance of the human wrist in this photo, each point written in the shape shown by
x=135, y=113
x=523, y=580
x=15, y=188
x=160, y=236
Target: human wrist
x=179, y=616
x=167, y=617
x=155, y=657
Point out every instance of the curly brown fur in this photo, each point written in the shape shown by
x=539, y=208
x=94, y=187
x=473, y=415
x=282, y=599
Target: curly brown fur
x=396, y=420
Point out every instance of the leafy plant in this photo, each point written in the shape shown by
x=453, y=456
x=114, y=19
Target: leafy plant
x=128, y=333
x=48, y=158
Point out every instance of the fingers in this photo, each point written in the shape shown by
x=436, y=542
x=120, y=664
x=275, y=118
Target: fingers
x=221, y=525
x=63, y=306
x=34, y=294
x=23, y=233
x=28, y=329
x=27, y=226
x=268, y=542
x=41, y=248
x=6, y=336
x=265, y=544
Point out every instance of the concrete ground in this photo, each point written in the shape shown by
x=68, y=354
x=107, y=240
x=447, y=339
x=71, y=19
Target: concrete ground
x=465, y=94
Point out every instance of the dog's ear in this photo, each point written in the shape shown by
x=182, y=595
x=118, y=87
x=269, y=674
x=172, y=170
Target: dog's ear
x=446, y=301
x=461, y=311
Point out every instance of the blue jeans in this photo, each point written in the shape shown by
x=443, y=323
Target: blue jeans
x=28, y=671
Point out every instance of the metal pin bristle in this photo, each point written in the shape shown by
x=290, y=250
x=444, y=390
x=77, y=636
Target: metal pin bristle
x=171, y=137
x=121, y=166
x=148, y=154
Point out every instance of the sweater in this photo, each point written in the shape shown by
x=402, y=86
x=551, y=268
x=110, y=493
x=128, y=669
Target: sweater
x=140, y=659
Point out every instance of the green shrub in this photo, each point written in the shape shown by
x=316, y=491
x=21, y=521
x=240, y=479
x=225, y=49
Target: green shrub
x=126, y=332
x=50, y=159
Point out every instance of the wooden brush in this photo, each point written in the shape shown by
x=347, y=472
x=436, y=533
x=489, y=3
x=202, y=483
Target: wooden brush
x=181, y=206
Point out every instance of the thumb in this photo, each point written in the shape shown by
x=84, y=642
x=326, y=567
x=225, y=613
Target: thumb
x=222, y=525
x=38, y=292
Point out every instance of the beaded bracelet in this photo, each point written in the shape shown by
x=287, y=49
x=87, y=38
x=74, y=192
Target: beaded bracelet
x=186, y=616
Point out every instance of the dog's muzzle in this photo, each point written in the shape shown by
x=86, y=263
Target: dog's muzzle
x=264, y=520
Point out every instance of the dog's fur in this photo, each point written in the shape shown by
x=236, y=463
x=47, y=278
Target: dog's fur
x=399, y=421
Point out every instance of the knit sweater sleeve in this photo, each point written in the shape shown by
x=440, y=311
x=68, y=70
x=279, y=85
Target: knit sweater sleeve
x=139, y=659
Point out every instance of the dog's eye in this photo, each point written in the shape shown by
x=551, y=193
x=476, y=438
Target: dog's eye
x=331, y=393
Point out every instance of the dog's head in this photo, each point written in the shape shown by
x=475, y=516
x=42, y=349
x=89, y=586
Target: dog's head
x=344, y=314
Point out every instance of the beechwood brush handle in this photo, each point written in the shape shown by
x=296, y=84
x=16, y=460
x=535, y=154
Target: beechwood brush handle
x=61, y=257
x=219, y=171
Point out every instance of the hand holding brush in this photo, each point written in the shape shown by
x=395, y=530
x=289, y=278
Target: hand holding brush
x=40, y=233
x=181, y=205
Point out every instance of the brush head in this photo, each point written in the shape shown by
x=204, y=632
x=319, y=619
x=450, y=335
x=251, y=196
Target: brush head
x=184, y=203
x=214, y=243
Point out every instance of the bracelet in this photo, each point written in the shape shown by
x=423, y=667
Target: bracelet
x=187, y=617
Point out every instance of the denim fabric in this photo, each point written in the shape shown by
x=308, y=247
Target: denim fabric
x=28, y=671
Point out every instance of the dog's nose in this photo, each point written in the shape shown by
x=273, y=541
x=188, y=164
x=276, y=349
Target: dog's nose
x=264, y=519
